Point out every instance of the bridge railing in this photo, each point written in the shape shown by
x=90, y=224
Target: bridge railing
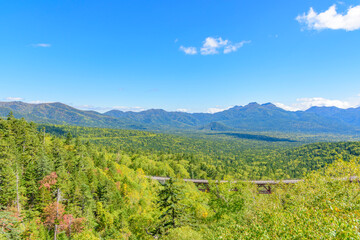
x=264, y=186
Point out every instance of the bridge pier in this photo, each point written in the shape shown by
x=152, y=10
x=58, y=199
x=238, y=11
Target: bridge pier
x=264, y=189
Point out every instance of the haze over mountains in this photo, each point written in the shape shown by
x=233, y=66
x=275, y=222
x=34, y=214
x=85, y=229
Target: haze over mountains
x=252, y=117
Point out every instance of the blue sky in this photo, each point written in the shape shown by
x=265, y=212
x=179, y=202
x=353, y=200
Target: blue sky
x=195, y=56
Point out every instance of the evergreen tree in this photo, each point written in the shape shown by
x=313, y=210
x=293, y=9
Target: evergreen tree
x=173, y=213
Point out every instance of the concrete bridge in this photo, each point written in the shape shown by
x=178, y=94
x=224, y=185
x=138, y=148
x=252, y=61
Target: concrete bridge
x=264, y=186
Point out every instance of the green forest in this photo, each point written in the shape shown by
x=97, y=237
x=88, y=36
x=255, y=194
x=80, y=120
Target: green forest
x=65, y=182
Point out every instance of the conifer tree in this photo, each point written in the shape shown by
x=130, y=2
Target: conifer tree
x=173, y=213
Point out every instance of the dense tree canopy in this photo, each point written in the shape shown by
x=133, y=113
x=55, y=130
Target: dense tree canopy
x=84, y=183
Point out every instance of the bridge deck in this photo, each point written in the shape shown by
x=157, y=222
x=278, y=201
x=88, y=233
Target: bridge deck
x=264, y=186
x=258, y=182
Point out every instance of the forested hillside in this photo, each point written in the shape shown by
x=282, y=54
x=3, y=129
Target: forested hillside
x=67, y=187
x=224, y=155
x=253, y=117
x=59, y=113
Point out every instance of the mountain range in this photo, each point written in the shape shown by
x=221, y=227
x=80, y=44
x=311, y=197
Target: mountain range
x=252, y=117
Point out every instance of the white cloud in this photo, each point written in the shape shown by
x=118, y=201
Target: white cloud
x=13, y=98
x=38, y=102
x=182, y=110
x=331, y=19
x=92, y=108
x=217, y=109
x=105, y=109
x=213, y=46
x=306, y=103
x=234, y=47
x=214, y=110
x=44, y=45
x=188, y=50
x=126, y=109
x=286, y=107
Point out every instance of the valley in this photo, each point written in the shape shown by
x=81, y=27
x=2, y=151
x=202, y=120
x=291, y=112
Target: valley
x=97, y=177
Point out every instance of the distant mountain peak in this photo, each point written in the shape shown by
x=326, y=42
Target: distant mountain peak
x=252, y=117
x=233, y=108
x=269, y=104
x=252, y=105
x=154, y=110
x=115, y=110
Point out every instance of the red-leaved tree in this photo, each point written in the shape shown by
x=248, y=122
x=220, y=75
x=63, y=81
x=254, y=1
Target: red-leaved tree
x=54, y=215
x=48, y=181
